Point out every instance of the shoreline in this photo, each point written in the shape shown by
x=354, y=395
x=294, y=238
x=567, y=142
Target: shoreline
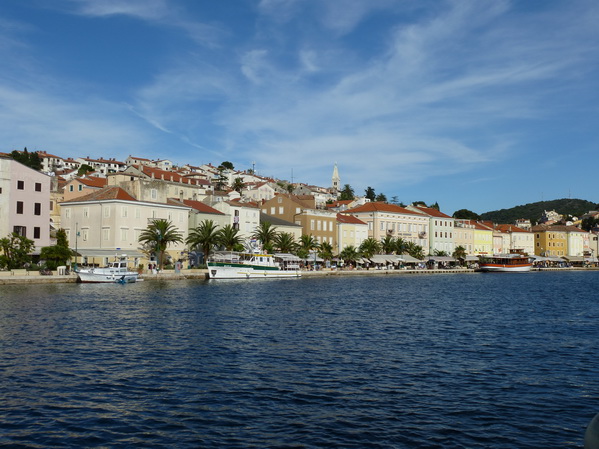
x=12, y=277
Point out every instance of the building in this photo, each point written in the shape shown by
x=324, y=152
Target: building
x=242, y=216
x=385, y=219
x=517, y=240
x=24, y=202
x=464, y=235
x=351, y=231
x=302, y=210
x=335, y=180
x=550, y=241
x=83, y=186
x=110, y=221
x=441, y=229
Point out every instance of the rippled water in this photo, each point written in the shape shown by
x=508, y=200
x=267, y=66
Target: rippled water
x=452, y=361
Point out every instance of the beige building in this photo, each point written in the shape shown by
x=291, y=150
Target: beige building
x=242, y=216
x=82, y=186
x=302, y=210
x=516, y=240
x=389, y=219
x=351, y=231
x=464, y=235
x=155, y=185
x=110, y=221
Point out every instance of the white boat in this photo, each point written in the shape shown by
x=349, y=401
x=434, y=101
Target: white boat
x=234, y=265
x=505, y=263
x=114, y=272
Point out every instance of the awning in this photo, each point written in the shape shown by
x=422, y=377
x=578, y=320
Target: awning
x=287, y=257
x=408, y=259
x=382, y=258
x=471, y=259
x=109, y=253
x=442, y=259
x=574, y=258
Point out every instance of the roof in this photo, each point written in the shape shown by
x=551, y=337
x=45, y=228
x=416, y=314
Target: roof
x=167, y=175
x=275, y=221
x=380, y=206
x=349, y=219
x=107, y=193
x=93, y=181
x=510, y=228
x=556, y=228
x=432, y=212
x=201, y=207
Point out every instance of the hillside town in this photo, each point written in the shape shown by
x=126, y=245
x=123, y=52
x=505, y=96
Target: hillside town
x=104, y=205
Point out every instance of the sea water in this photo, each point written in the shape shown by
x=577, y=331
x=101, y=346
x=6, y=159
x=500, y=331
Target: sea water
x=455, y=361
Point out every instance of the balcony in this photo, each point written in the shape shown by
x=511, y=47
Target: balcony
x=422, y=235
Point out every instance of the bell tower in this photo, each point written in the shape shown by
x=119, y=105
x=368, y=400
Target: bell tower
x=335, y=180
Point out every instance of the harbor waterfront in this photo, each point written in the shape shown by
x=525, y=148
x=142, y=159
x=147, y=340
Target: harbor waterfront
x=462, y=360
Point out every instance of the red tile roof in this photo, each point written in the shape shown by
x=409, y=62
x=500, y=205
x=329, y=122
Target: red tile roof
x=379, y=206
x=350, y=219
x=93, y=181
x=432, y=212
x=107, y=193
x=201, y=207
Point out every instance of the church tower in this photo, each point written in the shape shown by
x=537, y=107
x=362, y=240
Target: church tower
x=335, y=180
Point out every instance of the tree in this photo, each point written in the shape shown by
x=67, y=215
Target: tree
x=84, y=169
x=229, y=237
x=222, y=179
x=419, y=203
x=158, y=236
x=325, y=251
x=381, y=197
x=31, y=160
x=440, y=253
x=227, y=165
x=589, y=223
x=307, y=243
x=347, y=193
x=238, y=184
x=370, y=247
x=15, y=251
x=435, y=205
x=58, y=254
x=266, y=233
x=349, y=254
x=388, y=244
x=414, y=250
x=204, y=236
x=400, y=246
x=285, y=242
x=370, y=193
x=465, y=214
x=459, y=253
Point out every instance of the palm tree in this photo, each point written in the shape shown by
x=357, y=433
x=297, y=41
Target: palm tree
x=370, y=247
x=158, y=235
x=229, y=237
x=400, y=246
x=266, y=233
x=307, y=243
x=440, y=253
x=204, y=236
x=459, y=253
x=238, y=184
x=388, y=244
x=349, y=254
x=326, y=251
x=285, y=242
x=415, y=250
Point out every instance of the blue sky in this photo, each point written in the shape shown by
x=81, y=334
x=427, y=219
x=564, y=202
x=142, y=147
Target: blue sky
x=474, y=104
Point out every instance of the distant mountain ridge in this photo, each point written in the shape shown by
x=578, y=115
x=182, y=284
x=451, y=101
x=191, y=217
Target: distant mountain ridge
x=534, y=211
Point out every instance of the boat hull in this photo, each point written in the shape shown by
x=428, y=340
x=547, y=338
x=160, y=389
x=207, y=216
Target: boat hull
x=90, y=277
x=244, y=272
x=499, y=268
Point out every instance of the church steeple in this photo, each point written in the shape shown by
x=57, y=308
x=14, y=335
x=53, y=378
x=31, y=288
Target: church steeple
x=336, y=180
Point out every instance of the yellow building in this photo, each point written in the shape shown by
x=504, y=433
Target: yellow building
x=550, y=241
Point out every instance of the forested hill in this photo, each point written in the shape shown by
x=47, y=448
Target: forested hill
x=534, y=211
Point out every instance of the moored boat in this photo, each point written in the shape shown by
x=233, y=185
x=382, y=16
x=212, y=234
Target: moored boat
x=234, y=265
x=114, y=272
x=505, y=263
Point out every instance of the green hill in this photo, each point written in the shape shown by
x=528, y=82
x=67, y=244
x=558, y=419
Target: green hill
x=534, y=211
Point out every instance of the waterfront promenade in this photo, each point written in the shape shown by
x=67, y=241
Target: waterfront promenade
x=32, y=277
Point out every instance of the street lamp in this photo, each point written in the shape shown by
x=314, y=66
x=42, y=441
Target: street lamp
x=76, y=238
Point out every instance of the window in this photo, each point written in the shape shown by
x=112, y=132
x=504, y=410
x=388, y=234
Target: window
x=311, y=225
x=107, y=212
x=67, y=213
x=272, y=210
x=37, y=209
x=38, y=186
x=124, y=211
x=106, y=234
x=21, y=230
x=154, y=194
x=80, y=187
x=137, y=212
x=71, y=188
x=124, y=234
x=36, y=232
x=51, y=205
x=281, y=210
x=86, y=212
x=19, y=207
x=21, y=185
x=84, y=234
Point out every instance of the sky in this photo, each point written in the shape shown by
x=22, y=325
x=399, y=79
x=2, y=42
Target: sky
x=474, y=104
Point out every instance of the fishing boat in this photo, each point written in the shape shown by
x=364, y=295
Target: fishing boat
x=114, y=272
x=235, y=265
x=505, y=263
